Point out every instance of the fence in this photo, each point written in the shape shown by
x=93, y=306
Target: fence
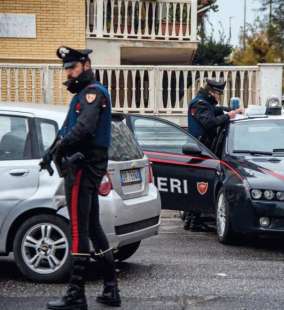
x=141, y=89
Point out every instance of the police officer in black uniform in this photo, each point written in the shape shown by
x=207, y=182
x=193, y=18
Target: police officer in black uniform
x=204, y=119
x=87, y=130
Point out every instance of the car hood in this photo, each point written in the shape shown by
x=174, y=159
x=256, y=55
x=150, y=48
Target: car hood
x=261, y=171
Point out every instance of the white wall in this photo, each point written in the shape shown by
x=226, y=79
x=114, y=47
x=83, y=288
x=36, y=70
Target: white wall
x=105, y=52
x=270, y=81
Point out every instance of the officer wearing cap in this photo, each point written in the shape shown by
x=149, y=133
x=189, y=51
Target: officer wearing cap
x=204, y=119
x=86, y=129
x=204, y=116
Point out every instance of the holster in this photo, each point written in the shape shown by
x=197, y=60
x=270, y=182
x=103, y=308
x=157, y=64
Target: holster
x=65, y=164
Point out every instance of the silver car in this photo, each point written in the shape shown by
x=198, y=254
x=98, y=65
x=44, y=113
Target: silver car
x=33, y=213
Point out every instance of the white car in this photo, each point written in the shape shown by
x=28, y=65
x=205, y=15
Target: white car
x=33, y=214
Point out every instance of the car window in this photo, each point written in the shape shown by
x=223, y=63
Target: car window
x=123, y=146
x=47, y=131
x=15, y=138
x=155, y=135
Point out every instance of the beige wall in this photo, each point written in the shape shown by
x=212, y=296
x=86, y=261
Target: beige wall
x=58, y=22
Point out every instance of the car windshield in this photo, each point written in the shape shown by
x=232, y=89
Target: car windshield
x=264, y=137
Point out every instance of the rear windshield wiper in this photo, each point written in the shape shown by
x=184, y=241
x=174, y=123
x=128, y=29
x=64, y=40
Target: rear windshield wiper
x=253, y=152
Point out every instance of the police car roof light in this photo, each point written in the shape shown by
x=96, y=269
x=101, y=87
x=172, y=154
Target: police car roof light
x=273, y=106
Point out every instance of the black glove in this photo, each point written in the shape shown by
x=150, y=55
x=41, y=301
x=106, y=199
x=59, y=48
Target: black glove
x=46, y=161
x=48, y=157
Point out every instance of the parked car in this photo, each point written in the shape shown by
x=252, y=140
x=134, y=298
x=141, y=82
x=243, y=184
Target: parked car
x=33, y=214
x=242, y=186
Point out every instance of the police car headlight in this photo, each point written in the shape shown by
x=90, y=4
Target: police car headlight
x=268, y=194
x=280, y=196
x=256, y=194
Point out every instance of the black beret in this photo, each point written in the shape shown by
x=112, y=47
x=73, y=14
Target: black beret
x=216, y=86
x=70, y=56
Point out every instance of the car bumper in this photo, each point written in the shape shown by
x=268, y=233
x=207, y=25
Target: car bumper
x=272, y=210
x=247, y=213
x=131, y=220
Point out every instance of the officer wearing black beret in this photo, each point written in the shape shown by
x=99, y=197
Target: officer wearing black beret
x=204, y=119
x=86, y=130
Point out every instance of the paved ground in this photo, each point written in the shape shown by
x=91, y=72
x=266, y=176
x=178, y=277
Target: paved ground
x=175, y=270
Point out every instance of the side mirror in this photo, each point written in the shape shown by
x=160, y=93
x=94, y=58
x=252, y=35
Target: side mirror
x=191, y=149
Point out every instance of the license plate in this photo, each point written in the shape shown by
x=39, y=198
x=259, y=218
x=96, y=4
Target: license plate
x=131, y=176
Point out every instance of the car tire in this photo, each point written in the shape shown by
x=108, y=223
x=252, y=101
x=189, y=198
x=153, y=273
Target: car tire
x=41, y=248
x=225, y=233
x=126, y=251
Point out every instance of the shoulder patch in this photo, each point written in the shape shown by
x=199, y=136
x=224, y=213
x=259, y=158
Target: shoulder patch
x=90, y=97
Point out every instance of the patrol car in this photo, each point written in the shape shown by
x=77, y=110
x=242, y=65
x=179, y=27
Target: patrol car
x=242, y=185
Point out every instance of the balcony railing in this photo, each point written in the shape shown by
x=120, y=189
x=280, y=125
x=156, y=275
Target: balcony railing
x=144, y=20
x=161, y=90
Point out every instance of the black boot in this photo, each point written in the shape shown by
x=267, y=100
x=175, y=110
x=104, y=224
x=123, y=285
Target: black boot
x=187, y=221
x=197, y=224
x=110, y=295
x=75, y=298
x=194, y=223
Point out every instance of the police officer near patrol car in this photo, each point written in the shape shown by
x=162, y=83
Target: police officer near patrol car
x=87, y=130
x=204, y=119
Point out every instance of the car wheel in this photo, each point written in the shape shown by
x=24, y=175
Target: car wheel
x=225, y=233
x=41, y=248
x=126, y=251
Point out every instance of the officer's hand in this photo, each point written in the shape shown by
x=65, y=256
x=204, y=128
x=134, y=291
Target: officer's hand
x=240, y=111
x=43, y=164
x=232, y=114
x=46, y=160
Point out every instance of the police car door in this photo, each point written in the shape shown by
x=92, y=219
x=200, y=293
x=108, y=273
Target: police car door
x=185, y=182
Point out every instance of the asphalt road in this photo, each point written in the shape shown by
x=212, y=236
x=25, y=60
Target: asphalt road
x=175, y=270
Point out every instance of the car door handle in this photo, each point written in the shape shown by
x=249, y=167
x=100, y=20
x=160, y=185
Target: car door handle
x=18, y=172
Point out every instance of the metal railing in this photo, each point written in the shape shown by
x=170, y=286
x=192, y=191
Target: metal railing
x=146, y=20
x=140, y=89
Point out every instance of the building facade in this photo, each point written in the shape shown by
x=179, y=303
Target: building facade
x=121, y=32
x=148, y=32
x=31, y=30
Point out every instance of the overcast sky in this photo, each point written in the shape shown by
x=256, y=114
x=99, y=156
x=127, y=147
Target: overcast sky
x=234, y=8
